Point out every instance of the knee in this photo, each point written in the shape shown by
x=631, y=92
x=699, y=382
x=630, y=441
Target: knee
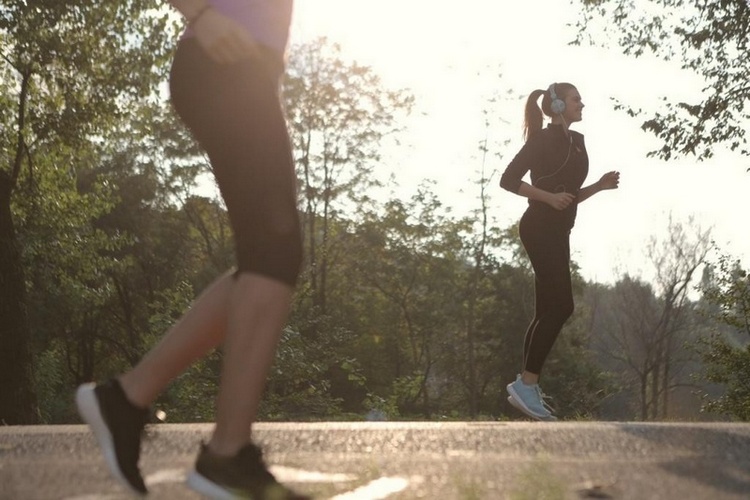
x=277, y=255
x=562, y=310
x=566, y=310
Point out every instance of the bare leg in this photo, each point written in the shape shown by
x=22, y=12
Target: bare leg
x=259, y=307
x=529, y=378
x=201, y=328
x=247, y=313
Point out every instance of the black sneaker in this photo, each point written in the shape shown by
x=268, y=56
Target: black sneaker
x=244, y=475
x=117, y=425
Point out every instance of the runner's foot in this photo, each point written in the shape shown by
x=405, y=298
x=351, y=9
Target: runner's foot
x=244, y=475
x=117, y=426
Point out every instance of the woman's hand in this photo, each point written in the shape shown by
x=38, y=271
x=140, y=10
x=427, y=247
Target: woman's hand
x=225, y=40
x=610, y=180
x=559, y=201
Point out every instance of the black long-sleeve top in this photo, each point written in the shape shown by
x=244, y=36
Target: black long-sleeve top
x=558, y=162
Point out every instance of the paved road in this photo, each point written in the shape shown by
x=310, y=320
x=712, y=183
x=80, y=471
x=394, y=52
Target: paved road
x=394, y=461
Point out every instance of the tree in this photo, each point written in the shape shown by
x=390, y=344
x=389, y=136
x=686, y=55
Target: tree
x=626, y=316
x=487, y=239
x=339, y=114
x=410, y=255
x=70, y=70
x=480, y=256
x=707, y=37
x=726, y=352
x=645, y=325
x=112, y=263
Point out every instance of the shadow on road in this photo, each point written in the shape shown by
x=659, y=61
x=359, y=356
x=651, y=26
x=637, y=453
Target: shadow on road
x=729, y=452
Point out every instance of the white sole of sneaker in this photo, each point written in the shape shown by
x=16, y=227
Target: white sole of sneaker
x=516, y=401
x=512, y=401
x=88, y=408
x=196, y=482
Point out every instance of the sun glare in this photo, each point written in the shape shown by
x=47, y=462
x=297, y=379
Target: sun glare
x=450, y=57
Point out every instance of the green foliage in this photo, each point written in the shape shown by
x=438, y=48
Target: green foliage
x=298, y=386
x=578, y=390
x=726, y=352
x=708, y=38
x=642, y=328
x=381, y=408
x=107, y=252
x=398, y=298
x=729, y=366
x=53, y=385
x=727, y=288
x=70, y=72
x=192, y=397
x=87, y=64
x=339, y=116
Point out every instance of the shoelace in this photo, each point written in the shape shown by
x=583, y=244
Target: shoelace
x=542, y=398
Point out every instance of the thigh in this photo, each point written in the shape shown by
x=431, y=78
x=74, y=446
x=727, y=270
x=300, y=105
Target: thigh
x=235, y=114
x=548, y=248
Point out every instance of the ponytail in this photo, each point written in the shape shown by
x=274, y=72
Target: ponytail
x=534, y=113
x=533, y=118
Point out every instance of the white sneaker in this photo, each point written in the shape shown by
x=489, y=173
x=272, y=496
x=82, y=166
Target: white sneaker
x=528, y=399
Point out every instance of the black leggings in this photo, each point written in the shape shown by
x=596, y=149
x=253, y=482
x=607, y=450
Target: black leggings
x=548, y=247
x=234, y=112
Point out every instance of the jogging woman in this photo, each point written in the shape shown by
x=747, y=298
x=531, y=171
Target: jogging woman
x=556, y=159
x=224, y=85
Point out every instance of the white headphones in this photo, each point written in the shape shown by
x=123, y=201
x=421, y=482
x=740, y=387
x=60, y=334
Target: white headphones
x=557, y=105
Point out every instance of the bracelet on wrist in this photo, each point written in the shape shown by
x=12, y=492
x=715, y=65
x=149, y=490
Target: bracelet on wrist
x=199, y=14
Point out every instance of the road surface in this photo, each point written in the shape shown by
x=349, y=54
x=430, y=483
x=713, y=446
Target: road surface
x=410, y=460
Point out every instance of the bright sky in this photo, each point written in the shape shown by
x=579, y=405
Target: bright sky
x=449, y=54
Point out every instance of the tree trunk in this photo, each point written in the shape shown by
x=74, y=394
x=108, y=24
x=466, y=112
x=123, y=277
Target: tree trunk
x=473, y=399
x=17, y=397
x=665, y=390
x=654, y=396
x=644, y=396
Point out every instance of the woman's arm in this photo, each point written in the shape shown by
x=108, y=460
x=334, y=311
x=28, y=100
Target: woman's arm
x=610, y=180
x=225, y=40
x=558, y=201
x=511, y=180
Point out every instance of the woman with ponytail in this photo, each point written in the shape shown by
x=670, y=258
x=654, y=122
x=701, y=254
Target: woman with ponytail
x=556, y=159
